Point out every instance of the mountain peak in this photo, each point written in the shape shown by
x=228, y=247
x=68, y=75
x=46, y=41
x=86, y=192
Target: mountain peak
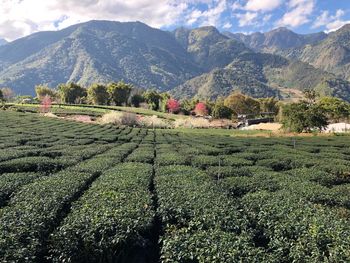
x=344, y=28
x=205, y=31
x=281, y=32
x=107, y=25
x=280, y=38
x=281, y=29
x=208, y=28
x=3, y=42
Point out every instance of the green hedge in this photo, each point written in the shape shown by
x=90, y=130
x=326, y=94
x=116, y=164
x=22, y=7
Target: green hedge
x=110, y=220
x=11, y=182
x=195, y=213
x=33, y=212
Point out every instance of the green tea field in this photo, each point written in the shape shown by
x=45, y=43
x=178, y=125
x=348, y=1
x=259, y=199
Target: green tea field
x=75, y=192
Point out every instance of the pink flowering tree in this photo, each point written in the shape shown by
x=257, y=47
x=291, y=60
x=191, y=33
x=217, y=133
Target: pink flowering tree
x=173, y=106
x=46, y=104
x=201, y=109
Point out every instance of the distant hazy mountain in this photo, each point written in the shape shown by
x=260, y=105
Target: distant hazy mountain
x=332, y=54
x=3, y=42
x=188, y=62
x=277, y=39
x=263, y=75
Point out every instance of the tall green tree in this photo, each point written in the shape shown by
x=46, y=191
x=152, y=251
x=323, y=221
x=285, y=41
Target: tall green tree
x=119, y=92
x=136, y=100
x=303, y=117
x=97, y=94
x=241, y=104
x=188, y=105
x=71, y=93
x=43, y=91
x=269, y=105
x=164, y=97
x=1, y=96
x=220, y=111
x=152, y=98
x=335, y=109
x=310, y=96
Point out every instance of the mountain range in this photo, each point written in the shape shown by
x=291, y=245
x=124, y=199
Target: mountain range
x=278, y=39
x=200, y=62
x=332, y=54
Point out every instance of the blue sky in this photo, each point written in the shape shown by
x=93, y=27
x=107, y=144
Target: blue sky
x=302, y=16
x=19, y=18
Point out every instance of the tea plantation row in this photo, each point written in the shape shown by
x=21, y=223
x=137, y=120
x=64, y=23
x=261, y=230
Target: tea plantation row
x=74, y=192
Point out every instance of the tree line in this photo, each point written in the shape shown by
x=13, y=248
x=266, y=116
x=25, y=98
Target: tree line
x=124, y=94
x=312, y=112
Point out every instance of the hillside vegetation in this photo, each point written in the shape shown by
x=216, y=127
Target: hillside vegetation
x=96, y=51
x=198, y=62
x=263, y=75
x=331, y=54
x=277, y=39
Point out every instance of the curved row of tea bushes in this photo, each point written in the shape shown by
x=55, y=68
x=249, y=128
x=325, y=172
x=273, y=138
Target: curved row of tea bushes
x=47, y=165
x=220, y=172
x=11, y=182
x=107, y=159
x=294, y=230
x=167, y=150
x=129, y=134
x=32, y=164
x=49, y=131
x=167, y=154
x=293, y=218
x=47, y=159
x=204, y=161
x=241, y=185
x=110, y=221
x=171, y=158
x=149, y=137
x=201, y=223
x=8, y=154
x=335, y=196
x=144, y=153
x=322, y=176
x=36, y=209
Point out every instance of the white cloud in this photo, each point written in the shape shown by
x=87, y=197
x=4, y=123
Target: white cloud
x=211, y=16
x=247, y=19
x=236, y=6
x=262, y=5
x=298, y=13
x=22, y=17
x=257, y=5
x=331, y=23
x=253, y=12
x=227, y=25
x=194, y=16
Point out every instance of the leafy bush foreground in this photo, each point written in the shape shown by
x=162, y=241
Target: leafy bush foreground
x=76, y=192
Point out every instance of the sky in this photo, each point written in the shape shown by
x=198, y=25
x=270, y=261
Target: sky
x=19, y=18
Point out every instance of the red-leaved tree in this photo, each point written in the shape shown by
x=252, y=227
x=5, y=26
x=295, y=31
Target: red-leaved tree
x=201, y=109
x=46, y=104
x=173, y=106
